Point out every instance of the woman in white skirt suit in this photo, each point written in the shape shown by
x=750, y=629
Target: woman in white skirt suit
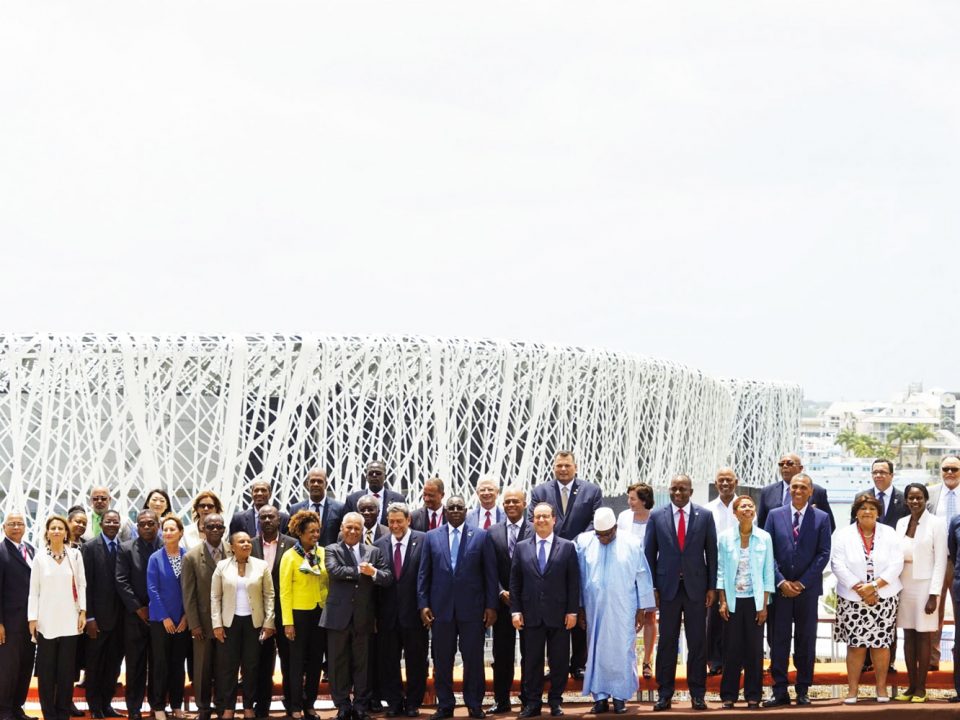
x=923, y=537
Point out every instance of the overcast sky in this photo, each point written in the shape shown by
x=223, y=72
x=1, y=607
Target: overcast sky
x=764, y=190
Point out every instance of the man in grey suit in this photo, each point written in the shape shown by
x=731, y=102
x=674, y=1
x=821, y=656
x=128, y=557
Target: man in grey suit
x=195, y=576
x=354, y=568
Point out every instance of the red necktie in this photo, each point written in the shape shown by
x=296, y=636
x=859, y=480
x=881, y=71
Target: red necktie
x=486, y=524
x=681, y=531
x=397, y=562
x=433, y=521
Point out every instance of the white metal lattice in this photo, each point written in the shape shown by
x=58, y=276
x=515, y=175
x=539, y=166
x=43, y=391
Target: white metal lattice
x=191, y=412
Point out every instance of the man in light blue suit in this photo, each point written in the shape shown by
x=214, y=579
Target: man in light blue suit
x=801, y=550
x=457, y=591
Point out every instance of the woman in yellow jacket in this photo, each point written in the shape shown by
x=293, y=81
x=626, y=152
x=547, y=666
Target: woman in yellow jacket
x=303, y=592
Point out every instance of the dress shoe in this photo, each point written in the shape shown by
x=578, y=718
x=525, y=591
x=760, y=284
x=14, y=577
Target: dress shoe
x=954, y=699
x=715, y=670
x=577, y=674
x=97, y=715
x=556, y=711
x=441, y=714
x=662, y=704
x=600, y=707
x=498, y=709
x=476, y=712
x=529, y=712
x=934, y=666
x=803, y=700
x=698, y=703
x=75, y=711
x=619, y=706
x=412, y=712
x=394, y=712
x=777, y=701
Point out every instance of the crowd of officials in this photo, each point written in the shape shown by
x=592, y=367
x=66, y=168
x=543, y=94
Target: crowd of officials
x=348, y=590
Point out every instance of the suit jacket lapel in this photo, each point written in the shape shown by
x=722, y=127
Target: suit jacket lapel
x=411, y=544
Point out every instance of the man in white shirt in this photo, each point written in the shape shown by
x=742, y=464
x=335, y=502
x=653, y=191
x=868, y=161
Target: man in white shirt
x=945, y=502
x=431, y=515
x=722, y=508
x=487, y=513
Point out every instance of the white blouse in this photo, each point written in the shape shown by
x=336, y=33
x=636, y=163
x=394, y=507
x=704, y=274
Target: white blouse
x=51, y=601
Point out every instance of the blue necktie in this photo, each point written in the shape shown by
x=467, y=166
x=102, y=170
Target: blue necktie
x=455, y=548
x=882, y=503
x=542, y=556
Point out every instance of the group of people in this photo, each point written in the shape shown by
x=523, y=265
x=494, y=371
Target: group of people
x=351, y=589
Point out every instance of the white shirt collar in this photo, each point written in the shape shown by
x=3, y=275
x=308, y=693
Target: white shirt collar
x=685, y=508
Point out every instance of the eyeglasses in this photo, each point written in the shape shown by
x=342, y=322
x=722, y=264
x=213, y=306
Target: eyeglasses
x=214, y=527
x=99, y=498
x=786, y=463
x=456, y=507
x=206, y=506
x=881, y=472
x=950, y=469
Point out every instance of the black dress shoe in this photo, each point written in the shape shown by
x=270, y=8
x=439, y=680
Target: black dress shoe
x=441, y=714
x=577, y=674
x=97, y=715
x=529, y=712
x=954, y=699
x=476, y=712
x=777, y=701
x=715, y=670
x=698, y=703
x=600, y=707
x=803, y=700
x=619, y=706
x=412, y=712
x=498, y=709
x=662, y=704
x=75, y=711
x=556, y=711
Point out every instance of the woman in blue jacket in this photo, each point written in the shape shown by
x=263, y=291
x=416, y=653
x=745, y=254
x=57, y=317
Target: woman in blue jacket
x=169, y=636
x=745, y=582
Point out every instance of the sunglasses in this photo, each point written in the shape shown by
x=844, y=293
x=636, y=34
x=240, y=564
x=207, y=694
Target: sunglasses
x=950, y=469
x=786, y=463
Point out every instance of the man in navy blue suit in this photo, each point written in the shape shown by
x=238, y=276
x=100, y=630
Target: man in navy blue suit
x=574, y=500
x=544, y=600
x=777, y=494
x=457, y=596
x=801, y=550
x=374, y=476
x=330, y=511
x=681, y=549
x=16, y=649
x=248, y=521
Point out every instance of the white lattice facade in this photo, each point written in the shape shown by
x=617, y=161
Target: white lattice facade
x=192, y=412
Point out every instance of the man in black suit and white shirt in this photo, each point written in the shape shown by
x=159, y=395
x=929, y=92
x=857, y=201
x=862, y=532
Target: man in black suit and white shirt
x=350, y=614
x=248, y=521
x=432, y=515
x=399, y=628
x=16, y=649
x=374, y=477
x=330, y=510
x=105, y=616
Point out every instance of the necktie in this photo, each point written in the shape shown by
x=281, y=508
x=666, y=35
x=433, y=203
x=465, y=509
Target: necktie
x=433, y=520
x=786, y=494
x=455, y=548
x=796, y=527
x=23, y=551
x=369, y=539
x=512, y=542
x=951, y=505
x=542, y=556
x=882, y=504
x=486, y=524
x=316, y=508
x=112, y=546
x=681, y=531
x=564, y=498
x=397, y=562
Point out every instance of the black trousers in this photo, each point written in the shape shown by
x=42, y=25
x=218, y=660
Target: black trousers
x=347, y=666
x=204, y=660
x=693, y=614
x=715, y=632
x=104, y=656
x=535, y=640
x=505, y=657
x=743, y=651
x=55, y=664
x=267, y=662
x=305, y=658
x=374, y=683
x=412, y=643
x=578, y=648
x=16, y=669
x=241, y=649
x=170, y=652
x=137, y=655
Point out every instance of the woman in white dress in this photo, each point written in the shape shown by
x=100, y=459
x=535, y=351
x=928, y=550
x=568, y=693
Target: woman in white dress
x=633, y=520
x=923, y=537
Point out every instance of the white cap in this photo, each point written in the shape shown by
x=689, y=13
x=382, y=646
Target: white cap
x=604, y=519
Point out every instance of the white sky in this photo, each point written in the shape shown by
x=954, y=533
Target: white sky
x=763, y=190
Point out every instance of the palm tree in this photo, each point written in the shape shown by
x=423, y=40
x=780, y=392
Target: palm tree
x=921, y=433
x=864, y=446
x=847, y=438
x=899, y=434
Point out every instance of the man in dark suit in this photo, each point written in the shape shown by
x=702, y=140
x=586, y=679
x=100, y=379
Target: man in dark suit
x=349, y=616
x=369, y=509
x=894, y=504
x=487, y=513
x=801, y=550
x=270, y=545
x=544, y=600
x=196, y=577
x=574, y=501
x=777, y=494
x=105, y=616
x=399, y=628
x=16, y=649
x=374, y=477
x=431, y=515
x=330, y=510
x=249, y=520
x=131, y=582
x=457, y=595
x=505, y=537
x=681, y=549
